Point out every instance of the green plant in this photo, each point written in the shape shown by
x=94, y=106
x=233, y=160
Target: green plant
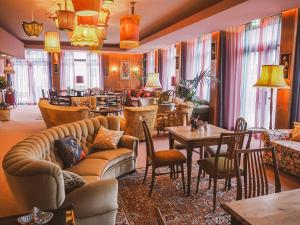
x=4, y=105
x=140, y=72
x=3, y=83
x=187, y=89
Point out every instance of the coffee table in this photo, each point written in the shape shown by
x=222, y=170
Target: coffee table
x=60, y=217
x=194, y=139
x=107, y=111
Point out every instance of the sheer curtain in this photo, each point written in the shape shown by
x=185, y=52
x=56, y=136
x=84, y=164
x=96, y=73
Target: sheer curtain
x=191, y=47
x=67, y=70
x=150, y=62
x=168, y=66
x=93, y=70
x=248, y=47
x=31, y=76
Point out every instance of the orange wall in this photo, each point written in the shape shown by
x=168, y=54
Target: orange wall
x=111, y=63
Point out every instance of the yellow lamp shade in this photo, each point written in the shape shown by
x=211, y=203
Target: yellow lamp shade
x=52, y=43
x=84, y=36
x=103, y=17
x=87, y=7
x=32, y=29
x=153, y=81
x=65, y=20
x=271, y=77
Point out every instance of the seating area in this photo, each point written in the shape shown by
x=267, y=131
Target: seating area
x=118, y=112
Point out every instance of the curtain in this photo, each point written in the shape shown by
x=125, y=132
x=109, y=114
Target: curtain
x=248, y=47
x=94, y=76
x=191, y=47
x=31, y=76
x=150, y=62
x=67, y=72
x=168, y=66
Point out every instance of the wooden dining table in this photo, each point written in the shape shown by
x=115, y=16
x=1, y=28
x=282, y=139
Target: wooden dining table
x=194, y=139
x=281, y=208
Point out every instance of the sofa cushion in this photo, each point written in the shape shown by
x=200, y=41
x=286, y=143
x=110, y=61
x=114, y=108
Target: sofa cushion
x=89, y=167
x=69, y=151
x=90, y=179
x=106, y=139
x=113, y=156
x=296, y=134
x=72, y=181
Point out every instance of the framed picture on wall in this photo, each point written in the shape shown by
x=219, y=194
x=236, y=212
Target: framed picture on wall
x=213, y=51
x=124, y=70
x=285, y=61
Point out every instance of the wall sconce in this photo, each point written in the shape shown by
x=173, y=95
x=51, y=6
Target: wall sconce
x=114, y=69
x=135, y=69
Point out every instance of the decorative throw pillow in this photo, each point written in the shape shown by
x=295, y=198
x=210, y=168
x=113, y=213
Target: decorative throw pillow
x=296, y=134
x=69, y=151
x=106, y=139
x=296, y=124
x=72, y=181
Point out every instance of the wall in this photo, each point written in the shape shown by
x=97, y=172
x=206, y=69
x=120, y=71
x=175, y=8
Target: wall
x=1, y=66
x=287, y=46
x=111, y=63
x=11, y=45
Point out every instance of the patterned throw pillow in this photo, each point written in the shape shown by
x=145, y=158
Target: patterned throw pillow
x=296, y=133
x=72, y=181
x=106, y=139
x=69, y=151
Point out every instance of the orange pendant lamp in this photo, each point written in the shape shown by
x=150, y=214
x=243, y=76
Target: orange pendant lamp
x=87, y=7
x=65, y=19
x=52, y=43
x=97, y=48
x=33, y=29
x=84, y=35
x=129, y=30
x=87, y=20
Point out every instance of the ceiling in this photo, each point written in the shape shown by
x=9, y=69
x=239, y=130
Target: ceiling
x=156, y=15
x=163, y=21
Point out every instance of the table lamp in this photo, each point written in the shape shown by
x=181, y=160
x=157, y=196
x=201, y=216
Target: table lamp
x=271, y=77
x=8, y=70
x=79, y=80
x=153, y=81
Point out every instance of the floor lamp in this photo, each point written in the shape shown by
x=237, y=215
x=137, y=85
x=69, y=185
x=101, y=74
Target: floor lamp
x=271, y=77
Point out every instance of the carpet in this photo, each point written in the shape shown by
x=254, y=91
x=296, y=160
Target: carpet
x=136, y=208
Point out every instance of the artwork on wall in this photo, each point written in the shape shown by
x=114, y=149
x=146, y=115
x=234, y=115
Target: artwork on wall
x=213, y=51
x=124, y=70
x=285, y=61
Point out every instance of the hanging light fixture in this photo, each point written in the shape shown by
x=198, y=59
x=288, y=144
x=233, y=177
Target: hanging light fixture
x=65, y=19
x=129, y=30
x=52, y=43
x=33, y=29
x=97, y=48
x=87, y=7
x=84, y=35
x=107, y=4
x=87, y=20
x=103, y=17
x=101, y=32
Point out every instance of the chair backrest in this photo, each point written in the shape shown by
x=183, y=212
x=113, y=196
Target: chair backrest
x=234, y=141
x=255, y=176
x=159, y=217
x=148, y=138
x=167, y=96
x=240, y=125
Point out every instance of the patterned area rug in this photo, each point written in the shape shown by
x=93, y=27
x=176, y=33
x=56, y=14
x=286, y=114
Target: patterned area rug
x=136, y=208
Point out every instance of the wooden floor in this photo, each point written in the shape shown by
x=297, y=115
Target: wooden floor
x=26, y=120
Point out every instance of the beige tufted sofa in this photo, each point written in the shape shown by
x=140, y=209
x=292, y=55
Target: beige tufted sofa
x=34, y=172
x=54, y=115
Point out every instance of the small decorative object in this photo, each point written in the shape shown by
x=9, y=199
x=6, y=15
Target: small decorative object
x=285, y=61
x=65, y=19
x=33, y=29
x=36, y=217
x=124, y=70
x=52, y=43
x=87, y=7
x=205, y=125
x=213, y=51
x=129, y=30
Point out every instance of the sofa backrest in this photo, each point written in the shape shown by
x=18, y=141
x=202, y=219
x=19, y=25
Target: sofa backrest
x=54, y=115
x=33, y=169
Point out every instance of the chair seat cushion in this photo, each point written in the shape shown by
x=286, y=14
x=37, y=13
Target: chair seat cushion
x=208, y=164
x=89, y=167
x=213, y=150
x=169, y=157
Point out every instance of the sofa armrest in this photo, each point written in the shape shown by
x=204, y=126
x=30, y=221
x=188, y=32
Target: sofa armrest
x=94, y=199
x=278, y=134
x=130, y=142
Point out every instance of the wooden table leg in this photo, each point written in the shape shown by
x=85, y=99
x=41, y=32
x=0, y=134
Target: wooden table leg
x=189, y=153
x=171, y=141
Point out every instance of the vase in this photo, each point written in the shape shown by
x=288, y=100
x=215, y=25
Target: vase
x=4, y=114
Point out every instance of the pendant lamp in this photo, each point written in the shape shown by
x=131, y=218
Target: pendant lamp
x=87, y=20
x=101, y=32
x=84, y=35
x=103, y=17
x=97, y=48
x=107, y=4
x=33, y=29
x=129, y=30
x=65, y=19
x=87, y=7
x=52, y=43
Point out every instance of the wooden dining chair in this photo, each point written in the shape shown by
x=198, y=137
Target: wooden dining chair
x=166, y=158
x=160, y=219
x=255, y=181
x=223, y=167
x=240, y=126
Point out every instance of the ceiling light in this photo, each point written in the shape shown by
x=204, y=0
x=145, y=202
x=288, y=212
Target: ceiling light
x=87, y=20
x=103, y=17
x=97, y=48
x=87, y=7
x=84, y=36
x=52, y=43
x=33, y=29
x=129, y=30
x=65, y=19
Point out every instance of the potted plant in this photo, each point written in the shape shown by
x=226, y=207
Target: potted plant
x=4, y=112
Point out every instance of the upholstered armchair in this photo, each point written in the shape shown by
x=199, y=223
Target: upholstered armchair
x=89, y=101
x=133, y=125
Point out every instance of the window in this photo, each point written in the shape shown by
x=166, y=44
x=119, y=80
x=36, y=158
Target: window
x=80, y=68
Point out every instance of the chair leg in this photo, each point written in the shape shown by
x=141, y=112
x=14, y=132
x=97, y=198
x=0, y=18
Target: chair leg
x=229, y=183
x=146, y=172
x=198, y=179
x=171, y=172
x=209, y=182
x=152, y=181
x=215, y=194
x=182, y=176
x=177, y=171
